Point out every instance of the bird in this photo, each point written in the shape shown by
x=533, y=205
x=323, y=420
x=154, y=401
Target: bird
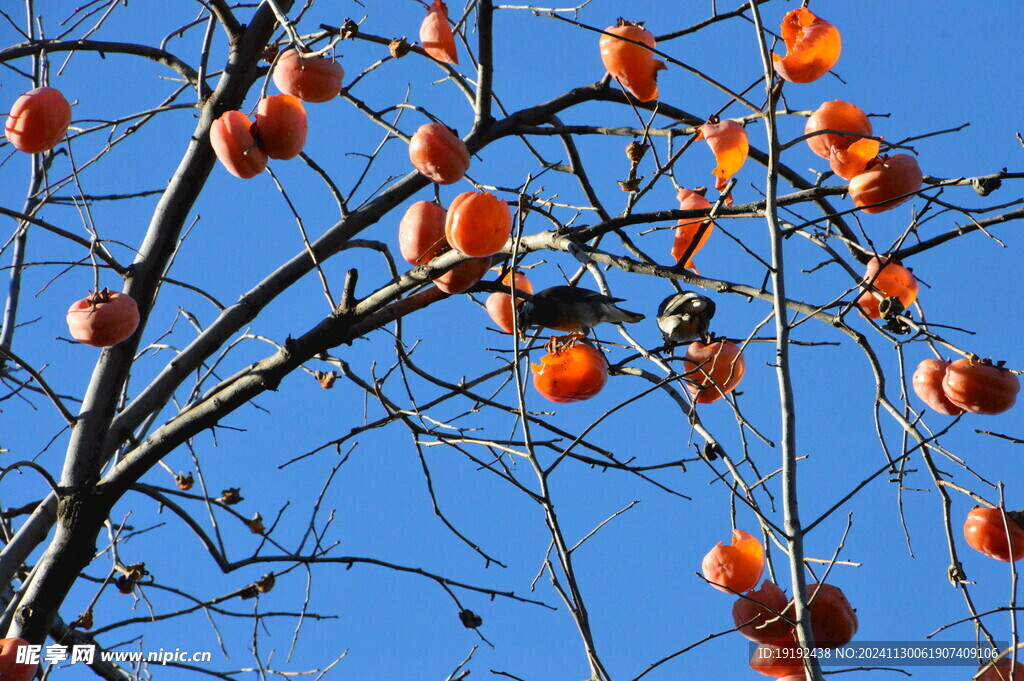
x=685, y=316
x=572, y=309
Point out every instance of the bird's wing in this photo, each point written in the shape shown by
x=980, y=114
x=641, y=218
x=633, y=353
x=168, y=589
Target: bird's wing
x=671, y=304
x=575, y=294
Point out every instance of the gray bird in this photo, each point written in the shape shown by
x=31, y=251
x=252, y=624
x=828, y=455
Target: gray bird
x=572, y=309
x=685, y=316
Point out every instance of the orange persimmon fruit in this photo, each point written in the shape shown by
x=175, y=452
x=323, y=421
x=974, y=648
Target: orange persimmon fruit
x=313, y=79
x=736, y=567
x=687, y=230
x=499, y=305
x=986, y=530
x=886, y=183
x=570, y=374
x=781, y=659
x=232, y=140
x=463, y=276
x=632, y=65
x=833, y=619
x=478, y=223
x=38, y=120
x=713, y=369
x=10, y=668
x=729, y=144
x=421, y=232
x=836, y=115
x=980, y=388
x=436, y=34
x=756, y=614
x=928, y=386
x=103, y=319
x=1000, y=671
x=890, y=279
x=813, y=46
x=281, y=126
x=437, y=153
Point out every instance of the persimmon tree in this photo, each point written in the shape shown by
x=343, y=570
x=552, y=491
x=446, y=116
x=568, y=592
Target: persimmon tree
x=312, y=383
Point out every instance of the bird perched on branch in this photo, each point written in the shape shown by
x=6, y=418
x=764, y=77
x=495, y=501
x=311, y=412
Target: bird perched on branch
x=685, y=316
x=572, y=309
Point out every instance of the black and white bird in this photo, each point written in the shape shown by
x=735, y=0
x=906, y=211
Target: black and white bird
x=685, y=316
x=572, y=309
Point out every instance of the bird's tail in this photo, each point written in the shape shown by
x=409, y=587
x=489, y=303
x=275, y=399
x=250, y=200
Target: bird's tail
x=626, y=316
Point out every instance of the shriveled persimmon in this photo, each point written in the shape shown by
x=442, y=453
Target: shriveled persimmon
x=499, y=305
x=995, y=533
x=311, y=78
x=781, y=659
x=886, y=183
x=633, y=65
x=38, y=120
x=850, y=162
x=1000, y=671
x=687, y=230
x=736, y=567
x=103, y=319
x=980, y=388
x=436, y=34
x=836, y=115
x=757, y=613
x=713, y=369
x=281, y=125
x=833, y=619
x=232, y=140
x=813, y=46
x=729, y=144
x=478, y=223
x=891, y=280
x=10, y=668
x=421, y=232
x=570, y=374
x=437, y=153
x=928, y=386
x=463, y=276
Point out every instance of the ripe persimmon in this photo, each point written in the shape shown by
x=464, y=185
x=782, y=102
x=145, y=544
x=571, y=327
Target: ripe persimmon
x=463, y=276
x=833, y=619
x=232, y=140
x=729, y=144
x=436, y=34
x=986, y=530
x=103, y=319
x=570, y=374
x=478, y=223
x=499, y=305
x=782, y=659
x=713, y=369
x=737, y=567
x=1000, y=671
x=10, y=668
x=928, y=386
x=421, y=232
x=311, y=78
x=757, y=613
x=632, y=65
x=438, y=154
x=686, y=230
x=890, y=279
x=886, y=183
x=281, y=125
x=836, y=115
x=980, y=388
x=813, y=46
x=38, y=120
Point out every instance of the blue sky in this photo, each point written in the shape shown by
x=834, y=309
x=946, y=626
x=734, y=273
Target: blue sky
x=920, y=70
